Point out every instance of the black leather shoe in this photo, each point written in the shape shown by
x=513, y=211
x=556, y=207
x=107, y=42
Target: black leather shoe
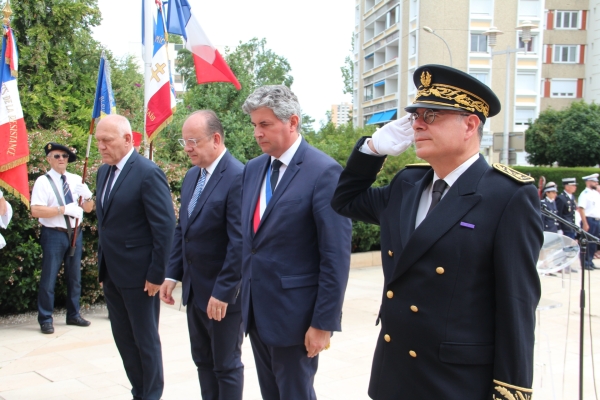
x=78, y=321
x=588, y=268
x=47, y=328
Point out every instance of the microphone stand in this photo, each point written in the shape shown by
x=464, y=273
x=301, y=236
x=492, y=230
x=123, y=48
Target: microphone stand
x=584, y=240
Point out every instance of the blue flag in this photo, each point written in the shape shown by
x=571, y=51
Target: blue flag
x=104, y=102
x=177, y=17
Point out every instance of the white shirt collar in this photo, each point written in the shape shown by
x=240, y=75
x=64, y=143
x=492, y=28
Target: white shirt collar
x=55, y=174
x=123, y=161
x=286, y=157
x=214, y=164
x=454, y=175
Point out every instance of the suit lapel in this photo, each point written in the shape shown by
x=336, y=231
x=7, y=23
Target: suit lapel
x=208, y=188
x=187, y=190
x=100, y=184
x=454, y=205
x=120, y=179
x=289, y=174
x=255, y=186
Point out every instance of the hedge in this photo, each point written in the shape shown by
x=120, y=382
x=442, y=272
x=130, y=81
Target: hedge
x=557, y=174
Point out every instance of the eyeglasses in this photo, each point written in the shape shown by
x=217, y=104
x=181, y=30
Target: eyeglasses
x=429, y=115
x=57, y=156
x=192, y=142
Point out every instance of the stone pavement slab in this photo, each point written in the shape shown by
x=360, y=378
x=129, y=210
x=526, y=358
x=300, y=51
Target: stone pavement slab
x=83, y=363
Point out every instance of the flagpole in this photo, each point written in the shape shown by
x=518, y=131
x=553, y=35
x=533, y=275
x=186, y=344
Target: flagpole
x=148, y=50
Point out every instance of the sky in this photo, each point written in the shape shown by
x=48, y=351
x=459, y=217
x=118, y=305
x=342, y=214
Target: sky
x=313, y=35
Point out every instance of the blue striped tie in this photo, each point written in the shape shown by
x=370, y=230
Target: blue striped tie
x=197, y=192
x=66, y=190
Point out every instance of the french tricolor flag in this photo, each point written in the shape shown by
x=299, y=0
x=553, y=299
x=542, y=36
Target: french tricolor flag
x=13, y=133
x=210, y=65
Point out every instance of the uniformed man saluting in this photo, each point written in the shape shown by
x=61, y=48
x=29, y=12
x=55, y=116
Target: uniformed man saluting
x=550, y=192
x=460, y=241
x=566, y=205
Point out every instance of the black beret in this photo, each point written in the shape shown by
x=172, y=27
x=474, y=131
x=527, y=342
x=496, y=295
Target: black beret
x=55, y=146
x=446, y=88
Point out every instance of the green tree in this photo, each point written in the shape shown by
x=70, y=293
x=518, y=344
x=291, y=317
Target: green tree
x=570, y=137
x=348, y=71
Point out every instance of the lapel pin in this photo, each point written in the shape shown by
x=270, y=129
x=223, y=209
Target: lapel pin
x=467, y=225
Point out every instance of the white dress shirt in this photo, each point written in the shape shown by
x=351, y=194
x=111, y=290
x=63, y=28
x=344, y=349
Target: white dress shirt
x=4, y=221
x=589, y=200
x=286, y=159
x=43, y=195
x=211, y=168
x=450, y=179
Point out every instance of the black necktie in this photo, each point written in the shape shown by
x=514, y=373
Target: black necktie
x=66, y=190
x=108, y=185
x=275, y=174
x=436, y=194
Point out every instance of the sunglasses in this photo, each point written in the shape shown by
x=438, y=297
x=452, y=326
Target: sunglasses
x=57, y=156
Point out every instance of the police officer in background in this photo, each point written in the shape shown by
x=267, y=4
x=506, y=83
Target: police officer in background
x=548, y=202
x=566, y=205
x=589, y=209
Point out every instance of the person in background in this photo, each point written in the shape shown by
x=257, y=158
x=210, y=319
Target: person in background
x=566, y=205
x=55, y=201
x=550, y=193
x=5, y=216
x=588, y=206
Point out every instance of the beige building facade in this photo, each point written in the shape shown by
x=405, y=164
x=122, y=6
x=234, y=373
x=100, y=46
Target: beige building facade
x=394, y=37
x=340, y=113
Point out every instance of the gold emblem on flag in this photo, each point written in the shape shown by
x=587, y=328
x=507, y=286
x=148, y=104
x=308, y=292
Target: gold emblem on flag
x=160, y=69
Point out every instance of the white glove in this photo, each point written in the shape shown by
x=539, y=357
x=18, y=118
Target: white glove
x=82, y=190
x=392, y=139
x=73, y=210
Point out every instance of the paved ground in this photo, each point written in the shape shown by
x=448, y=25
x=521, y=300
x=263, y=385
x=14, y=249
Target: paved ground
x=83, y=363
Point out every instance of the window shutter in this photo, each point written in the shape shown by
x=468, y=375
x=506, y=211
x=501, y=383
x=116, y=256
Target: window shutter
x=579, y=88
x=582, y=54
x=550, y=21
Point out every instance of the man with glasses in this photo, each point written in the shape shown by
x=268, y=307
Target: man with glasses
x=206, y=257
x=459, y=239
x=55, y=201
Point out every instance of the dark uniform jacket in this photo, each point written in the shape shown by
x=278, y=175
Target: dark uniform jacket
x=460, y=291
x=550, y=224
x=566, y=206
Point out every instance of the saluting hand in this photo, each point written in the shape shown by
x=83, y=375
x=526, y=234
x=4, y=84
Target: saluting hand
x=216, y=309
x=393, y=138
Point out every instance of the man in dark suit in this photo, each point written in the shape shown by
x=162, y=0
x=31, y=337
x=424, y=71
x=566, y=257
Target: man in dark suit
x=296, y=249
x=136, y=222
x=206, y=257
x=566, y=204
x=459, y=242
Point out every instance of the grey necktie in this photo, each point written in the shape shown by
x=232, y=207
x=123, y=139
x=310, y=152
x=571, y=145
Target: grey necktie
x=436, y=193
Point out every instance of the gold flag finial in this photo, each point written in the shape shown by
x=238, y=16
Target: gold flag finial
x=7, y=11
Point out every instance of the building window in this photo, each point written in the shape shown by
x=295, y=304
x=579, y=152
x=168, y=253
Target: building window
x=413, y=9
x=484, y=7
x=412, y=44
x=531, y=45
x=482, y=77
x=368, y=92
x=563, y=88
x=529, y=8
x=525, y=83
x=178, y=47
x=565, y=53
x=478, y=43
x=524, y=116
x=567, y=20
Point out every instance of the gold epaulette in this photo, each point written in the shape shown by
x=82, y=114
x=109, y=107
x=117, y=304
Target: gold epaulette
x=418, y=165
x=514, y=174
x=504, y=391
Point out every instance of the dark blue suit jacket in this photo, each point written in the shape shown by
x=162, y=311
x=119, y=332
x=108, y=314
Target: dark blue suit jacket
x=295, y=268
x=206, y=253
x=135, y=226
x=461, y=289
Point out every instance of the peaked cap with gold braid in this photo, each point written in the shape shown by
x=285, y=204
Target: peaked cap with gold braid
x=445, y=88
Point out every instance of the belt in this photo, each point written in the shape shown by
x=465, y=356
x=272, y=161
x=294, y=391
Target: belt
x=57, y=229
x=595, y=219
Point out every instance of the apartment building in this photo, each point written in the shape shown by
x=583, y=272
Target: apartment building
x=547, y=69
x=340, y=113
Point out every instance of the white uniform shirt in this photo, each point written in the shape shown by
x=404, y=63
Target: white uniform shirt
x=43, y=195
x=4, y=221
x=589, y=200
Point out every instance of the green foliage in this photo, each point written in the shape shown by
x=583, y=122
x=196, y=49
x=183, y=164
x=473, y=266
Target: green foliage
x=348, y=71
x=570, y=137
x=556, y=175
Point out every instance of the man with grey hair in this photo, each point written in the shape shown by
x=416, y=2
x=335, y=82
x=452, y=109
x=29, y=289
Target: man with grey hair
x=136, y=222
x=296, y=249
x=206, y=257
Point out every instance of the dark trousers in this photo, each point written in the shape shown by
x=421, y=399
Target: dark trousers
x=570, y=234
x=594, y=230
x=55, y=248
x=134, y=321
x=217, y=353
x=284, y=373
